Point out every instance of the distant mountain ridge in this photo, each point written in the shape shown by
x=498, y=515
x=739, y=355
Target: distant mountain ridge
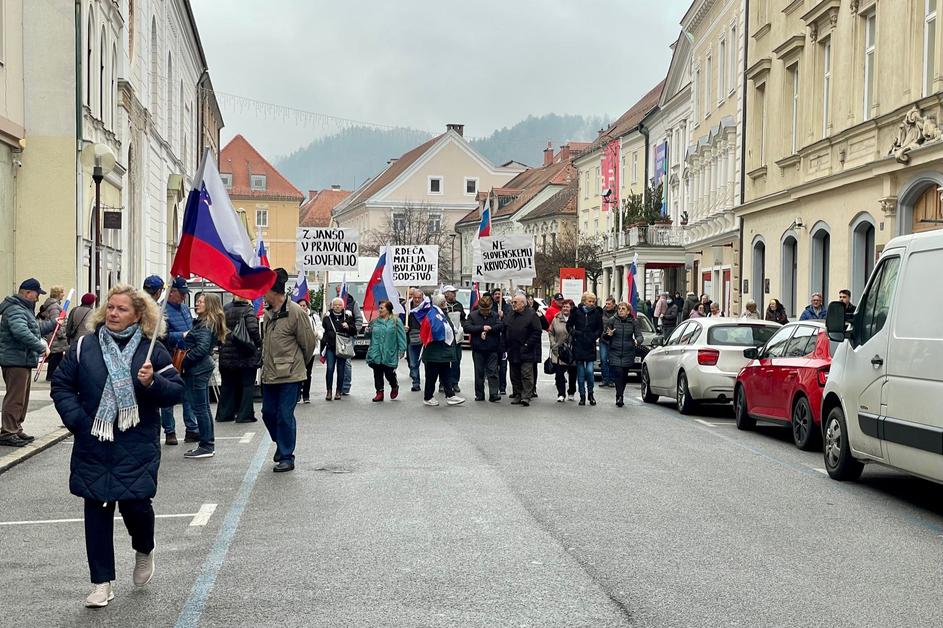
x=351, y=156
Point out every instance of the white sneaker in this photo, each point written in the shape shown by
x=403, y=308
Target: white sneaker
x=571, y=397
x=143, y=568
x=431, y=402
x=454, y=401
x=561, y=399
x=100, y=596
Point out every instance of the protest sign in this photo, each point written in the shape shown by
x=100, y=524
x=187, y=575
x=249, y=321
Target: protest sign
x=498, y=258
x=326, y=248
x=415, y=265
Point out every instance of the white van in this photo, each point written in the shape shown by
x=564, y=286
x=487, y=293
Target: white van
x=883, y=401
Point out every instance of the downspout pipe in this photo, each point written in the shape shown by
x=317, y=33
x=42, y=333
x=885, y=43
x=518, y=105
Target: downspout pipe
x=79, y=141
x=743, y=143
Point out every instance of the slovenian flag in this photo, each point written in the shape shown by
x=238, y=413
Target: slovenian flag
x=344, y=289
x=380, y=287
x=484, y=227
x=214, y=243
x=433, y=325
x=301, y=288
x=633, y=291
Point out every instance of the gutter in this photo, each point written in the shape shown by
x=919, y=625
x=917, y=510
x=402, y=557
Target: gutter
x=743, y=142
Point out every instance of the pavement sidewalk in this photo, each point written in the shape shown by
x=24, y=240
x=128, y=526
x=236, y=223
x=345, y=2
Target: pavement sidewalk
x=42, y=421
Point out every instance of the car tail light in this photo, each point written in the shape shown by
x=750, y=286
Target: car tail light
x=823, y=377
x=708, y=357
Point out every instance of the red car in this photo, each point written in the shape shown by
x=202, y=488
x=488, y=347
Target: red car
x=784, y=382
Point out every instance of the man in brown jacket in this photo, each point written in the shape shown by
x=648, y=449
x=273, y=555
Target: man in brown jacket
x=287, y=343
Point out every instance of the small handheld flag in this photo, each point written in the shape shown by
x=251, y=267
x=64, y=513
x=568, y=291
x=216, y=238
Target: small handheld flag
x=484, y=227
x=301, y=288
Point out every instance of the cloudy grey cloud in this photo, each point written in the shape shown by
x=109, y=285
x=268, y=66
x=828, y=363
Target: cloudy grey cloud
x=422, y=63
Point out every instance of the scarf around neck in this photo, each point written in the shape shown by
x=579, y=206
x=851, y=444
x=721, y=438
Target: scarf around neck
x=118, y=399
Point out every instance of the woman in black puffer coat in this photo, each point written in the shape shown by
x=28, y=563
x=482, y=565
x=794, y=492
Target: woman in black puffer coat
x=585, y=327
x=109, y=397
x=623, y=335
x=238, y=364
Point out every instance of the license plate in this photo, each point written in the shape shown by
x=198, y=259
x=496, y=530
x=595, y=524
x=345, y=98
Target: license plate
x=361, y=342
x=638, y=360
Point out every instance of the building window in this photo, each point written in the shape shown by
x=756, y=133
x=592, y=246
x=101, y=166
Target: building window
x=721, y=71
x=598, y=181
x=471, y=186
x=399, y=223
x=862, y=253
x=435, y=223
x=794, y=107
x=170, y=97
x=586, y=185
x=821, y=253
x=697, y=93
x=759, y=274
x=869, y=50
x=261, y=218
x=759, y=98
x=707, y=86
x=622, y=172
x=435, y=185
x=227, y=179
x=257, y=182
x=826, y=83
x=543, y=243
x=732, y=64
x=635, y=167
x=131, y=31
x=929, y=47
x=155, y=68
x=790, y=267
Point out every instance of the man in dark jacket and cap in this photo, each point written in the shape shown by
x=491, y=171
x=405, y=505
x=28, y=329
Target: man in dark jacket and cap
x=21, y=345
x=522, y=338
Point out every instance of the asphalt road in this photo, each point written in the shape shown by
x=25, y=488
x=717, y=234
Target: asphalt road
x=492, y=515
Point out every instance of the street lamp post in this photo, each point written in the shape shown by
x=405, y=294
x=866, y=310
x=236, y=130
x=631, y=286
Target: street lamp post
x=452, y=258
x=100, y=160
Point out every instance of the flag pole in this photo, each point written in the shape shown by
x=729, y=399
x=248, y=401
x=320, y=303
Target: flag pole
x=163, y=311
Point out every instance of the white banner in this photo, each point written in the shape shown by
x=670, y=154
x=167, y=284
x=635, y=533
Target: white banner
x=326, y=249
x=415, y=265
x=498, y=258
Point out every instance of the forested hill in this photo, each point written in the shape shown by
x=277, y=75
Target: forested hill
x=349, y=157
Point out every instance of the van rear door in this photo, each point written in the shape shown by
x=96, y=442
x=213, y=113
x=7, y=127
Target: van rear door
x=913, y=424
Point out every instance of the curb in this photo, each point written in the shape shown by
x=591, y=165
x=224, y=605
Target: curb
x=40, y=444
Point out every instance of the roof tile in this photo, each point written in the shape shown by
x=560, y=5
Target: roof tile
x=240, y=159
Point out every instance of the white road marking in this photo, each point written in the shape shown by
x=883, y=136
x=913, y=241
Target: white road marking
x=822, y=471
x=246, y=438
x=703, y=422
x=45, y=521
x=203, y=516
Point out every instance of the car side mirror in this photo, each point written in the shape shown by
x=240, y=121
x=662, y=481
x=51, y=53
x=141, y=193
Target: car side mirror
x=835, y=321
x=752, y=353
x=658, y=341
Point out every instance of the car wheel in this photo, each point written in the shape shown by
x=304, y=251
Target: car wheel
x=839, y=462
x=683, y=398
x=744, y=420
x=804, y=434
x=647, y=395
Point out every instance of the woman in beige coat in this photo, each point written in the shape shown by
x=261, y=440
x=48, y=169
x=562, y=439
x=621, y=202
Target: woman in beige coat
x=561, y=354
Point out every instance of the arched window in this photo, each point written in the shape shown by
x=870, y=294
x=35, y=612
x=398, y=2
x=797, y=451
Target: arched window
x=821, y=253
x=170, y=98
x=155, y=68
x=928, y=211
x=757, y=290
x=89, y=59
x=862, y=252
x=789, y=267
x=102, y=79
x=114, y=86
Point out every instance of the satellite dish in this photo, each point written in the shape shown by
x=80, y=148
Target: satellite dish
x=98, y=155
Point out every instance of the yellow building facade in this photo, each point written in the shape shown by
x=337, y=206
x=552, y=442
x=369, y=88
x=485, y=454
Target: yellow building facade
x=843, y=149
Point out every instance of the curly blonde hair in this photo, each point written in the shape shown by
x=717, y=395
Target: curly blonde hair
x=145, y=307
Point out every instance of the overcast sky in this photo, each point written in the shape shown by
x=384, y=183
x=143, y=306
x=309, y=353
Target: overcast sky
x=423, y=63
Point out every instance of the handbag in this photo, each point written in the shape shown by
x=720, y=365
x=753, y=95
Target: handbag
x=177, y=359
x=549, y=367
x=241, y=338
x=564, y=354
x=343, y=345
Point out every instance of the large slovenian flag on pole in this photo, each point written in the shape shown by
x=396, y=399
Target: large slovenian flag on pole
x=214, y=243
x=632, y=289
x=380, y=287
x=484, y=227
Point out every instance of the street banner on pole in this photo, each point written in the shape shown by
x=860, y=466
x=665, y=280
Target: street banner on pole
x=415, y=265
x=326, y=248
x=499, y=258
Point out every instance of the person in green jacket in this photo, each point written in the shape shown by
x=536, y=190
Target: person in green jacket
x=387, y=346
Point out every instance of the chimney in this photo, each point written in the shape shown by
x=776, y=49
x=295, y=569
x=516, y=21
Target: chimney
x=335, y=186
x=564, y=153
x=458, y=128
x=312, y=194
x=392, y=161
x=548, y=154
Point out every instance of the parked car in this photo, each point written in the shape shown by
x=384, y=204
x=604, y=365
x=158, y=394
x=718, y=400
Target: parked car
x=784, y=380
x=700, y=361
x=884, y=394
x=649, y=333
